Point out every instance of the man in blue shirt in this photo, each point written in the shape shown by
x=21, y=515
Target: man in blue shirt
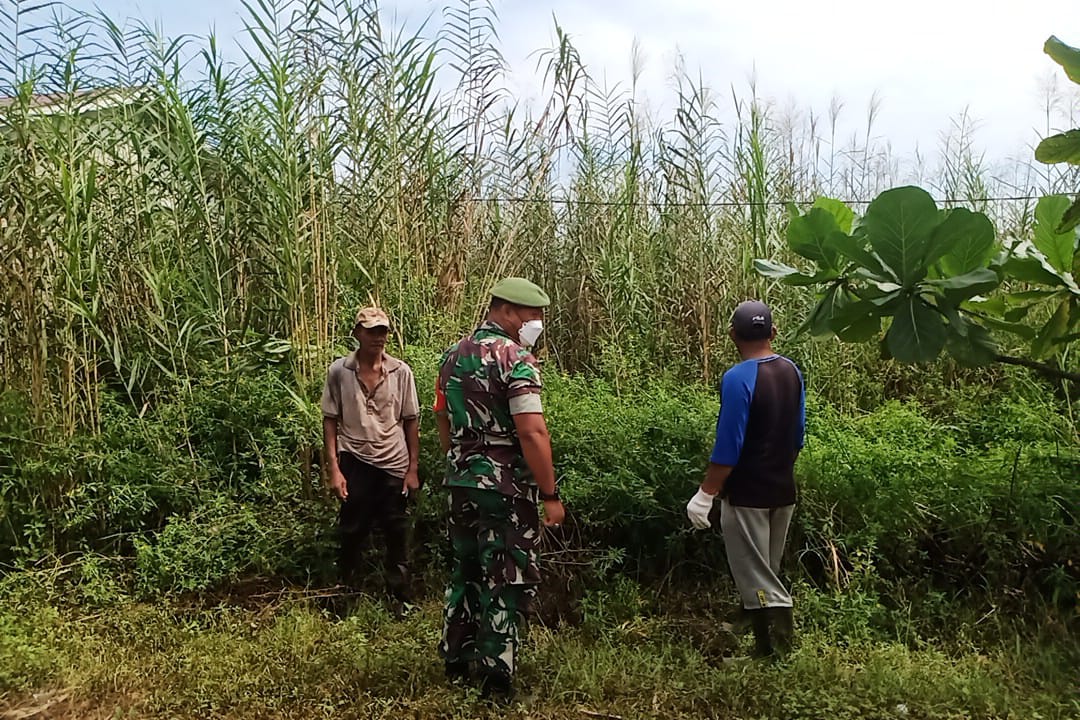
x=758, y=437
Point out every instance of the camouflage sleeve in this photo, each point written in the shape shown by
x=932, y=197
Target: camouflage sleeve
x=331, y=400
x=521, y=373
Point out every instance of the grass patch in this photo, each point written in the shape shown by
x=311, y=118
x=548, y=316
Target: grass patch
x=283, y=655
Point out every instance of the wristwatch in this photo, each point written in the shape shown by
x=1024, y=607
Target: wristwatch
x=550, y=496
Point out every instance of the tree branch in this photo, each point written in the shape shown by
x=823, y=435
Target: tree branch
x=1041, y=368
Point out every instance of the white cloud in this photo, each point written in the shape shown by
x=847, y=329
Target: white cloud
x=927, y=59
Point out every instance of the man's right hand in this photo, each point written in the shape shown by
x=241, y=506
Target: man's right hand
x=554, y=513
x=338, y=484
x=698, y=509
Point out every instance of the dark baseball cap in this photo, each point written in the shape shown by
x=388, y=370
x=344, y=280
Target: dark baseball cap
x=752, y=320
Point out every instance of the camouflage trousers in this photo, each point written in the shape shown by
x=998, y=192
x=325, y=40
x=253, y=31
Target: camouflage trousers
x=493, y=578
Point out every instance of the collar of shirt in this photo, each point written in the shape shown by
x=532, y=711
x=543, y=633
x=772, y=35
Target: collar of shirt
x=389, y=363
x=492, y=327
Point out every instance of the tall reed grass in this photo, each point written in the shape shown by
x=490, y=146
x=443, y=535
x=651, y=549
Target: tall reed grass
x=163, y=209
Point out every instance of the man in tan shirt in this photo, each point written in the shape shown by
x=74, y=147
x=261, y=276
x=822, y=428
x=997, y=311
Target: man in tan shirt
x=372, y=441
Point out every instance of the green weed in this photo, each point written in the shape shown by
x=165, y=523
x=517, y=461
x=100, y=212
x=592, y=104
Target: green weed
x=285, y=657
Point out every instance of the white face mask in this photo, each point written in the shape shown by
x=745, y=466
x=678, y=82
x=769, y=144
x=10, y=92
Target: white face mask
x=530, y=332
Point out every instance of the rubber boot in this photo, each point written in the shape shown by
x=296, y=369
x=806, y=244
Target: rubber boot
x=783, y=627
x=399, y=583
x=739, y=625
x=348, y=566
x=457, y=671
x=497, y=687
x=399, y=586
x=759, y=623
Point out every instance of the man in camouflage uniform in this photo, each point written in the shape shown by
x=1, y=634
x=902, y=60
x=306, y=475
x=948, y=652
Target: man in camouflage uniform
x=498, y=464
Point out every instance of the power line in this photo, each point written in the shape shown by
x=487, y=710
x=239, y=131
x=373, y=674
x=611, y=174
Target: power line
x=729, y=203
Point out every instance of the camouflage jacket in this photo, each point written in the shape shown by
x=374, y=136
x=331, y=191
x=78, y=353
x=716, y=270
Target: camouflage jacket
x=480, y=378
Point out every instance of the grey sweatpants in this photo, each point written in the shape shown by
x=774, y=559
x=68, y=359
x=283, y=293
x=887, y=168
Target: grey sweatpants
x=754, y=538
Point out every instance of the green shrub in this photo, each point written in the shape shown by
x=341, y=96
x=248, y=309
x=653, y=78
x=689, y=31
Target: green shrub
x=225, y=540
x=901, y=485
x=209, y=485
x=30, y=645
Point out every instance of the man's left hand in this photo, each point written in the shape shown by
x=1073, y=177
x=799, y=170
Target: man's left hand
x=554, y=513
x=411, y=483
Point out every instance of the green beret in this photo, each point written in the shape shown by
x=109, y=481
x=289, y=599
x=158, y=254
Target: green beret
x=521, y=292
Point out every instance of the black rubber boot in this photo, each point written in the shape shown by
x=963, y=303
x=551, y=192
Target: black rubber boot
x=399, y=583
x=783, y=629
x=497, y=687
x=740, y=624
x=759, y=622
x=457, y=671
x=348, y=567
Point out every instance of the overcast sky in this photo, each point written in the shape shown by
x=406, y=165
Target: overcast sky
x=927, y=60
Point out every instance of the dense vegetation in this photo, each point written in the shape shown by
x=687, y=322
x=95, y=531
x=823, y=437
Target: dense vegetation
x=933, y=558
x=183, y=242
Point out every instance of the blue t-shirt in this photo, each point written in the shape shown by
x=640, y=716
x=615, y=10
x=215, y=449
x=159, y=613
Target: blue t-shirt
x=759, y=431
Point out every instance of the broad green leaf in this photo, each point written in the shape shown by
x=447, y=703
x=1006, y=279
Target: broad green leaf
x=1028, y=264
x=1069, y=221
x=772, y=269
x=1022, y=330
x=853, y=247
x=994, y=305
x=859, y=329
x=886, y=301
x=861, y=273
x=817, y=324
x=899, y=224
x=1064, y=55
x=1028, y=268
x=1054, y=329
x=956, y=323
x=958, y=297
x=967, y=341
x=1028, y=295
x=807, y=235
x=917, y=333
x=789, y=275
x=967, y=241
x=1061, y=148
x=855, y=320
x=844, y=216
x=1016, y=314
x=886, y=287
x=1058, y=247
x=964, y=286
x=973, y=347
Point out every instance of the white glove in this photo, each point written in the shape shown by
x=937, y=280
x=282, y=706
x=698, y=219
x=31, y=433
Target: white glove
x=698, y=509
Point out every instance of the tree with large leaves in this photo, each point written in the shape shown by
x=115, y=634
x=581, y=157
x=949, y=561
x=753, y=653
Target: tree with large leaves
x=926, y=274
x=928, y=270
x=906, y=260
x=1063, y=147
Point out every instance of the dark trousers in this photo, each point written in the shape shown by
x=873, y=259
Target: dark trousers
x=374, y=499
